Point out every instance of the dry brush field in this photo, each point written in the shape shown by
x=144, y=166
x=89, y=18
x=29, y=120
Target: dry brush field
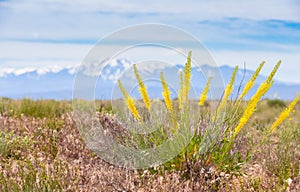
x=41, y=150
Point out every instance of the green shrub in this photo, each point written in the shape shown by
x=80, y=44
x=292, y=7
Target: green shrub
x=12, y=146
x=32, y=108
x=276, y=103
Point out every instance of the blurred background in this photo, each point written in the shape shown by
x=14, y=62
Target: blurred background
x=43, y=42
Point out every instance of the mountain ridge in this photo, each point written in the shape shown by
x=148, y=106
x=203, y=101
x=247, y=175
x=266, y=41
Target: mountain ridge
x=59, y=84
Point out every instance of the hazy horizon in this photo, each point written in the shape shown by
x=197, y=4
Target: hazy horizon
x=52, y=35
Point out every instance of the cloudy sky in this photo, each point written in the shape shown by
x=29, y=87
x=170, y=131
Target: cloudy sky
x=56, y=34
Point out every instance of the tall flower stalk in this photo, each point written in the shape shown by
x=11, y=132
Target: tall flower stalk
x=270, y=77
x=129, y=102
x=251, y=81
x=228, y=90
x=180, y=92
x=142, y=89
x=166, y=94
x=284, y=114
x=263, y=88
x=204, y=93
x=187, y=79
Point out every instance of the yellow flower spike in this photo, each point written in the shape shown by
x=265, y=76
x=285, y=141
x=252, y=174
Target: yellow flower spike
x=166, y=93
x=145, y=96
x=228, y=89
x=129, y=102
x=263, y=88
x=180, y=95
x=251, y=81
x=123, y=90
x=142, y=89
x=270, y=77
x=203, y=95
x=187, y=78
x=284, y=114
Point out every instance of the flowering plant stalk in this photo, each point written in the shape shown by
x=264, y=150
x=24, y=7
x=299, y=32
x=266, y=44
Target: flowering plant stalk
x=129, y=102
x=142, y=89
x=217, y=139
x=203, y=95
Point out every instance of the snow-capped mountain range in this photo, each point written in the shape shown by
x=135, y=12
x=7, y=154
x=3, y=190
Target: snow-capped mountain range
x=59, y=84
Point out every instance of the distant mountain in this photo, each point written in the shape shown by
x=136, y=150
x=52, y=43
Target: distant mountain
x=59, y=85
x=50, y=85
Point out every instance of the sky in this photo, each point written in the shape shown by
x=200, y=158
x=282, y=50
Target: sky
x=49, y=35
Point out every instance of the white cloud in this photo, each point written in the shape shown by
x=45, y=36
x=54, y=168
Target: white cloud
x=93, y=19
x=255, y=9
x=62, y=19
x=288, y=72
x=7, y=71
x=27, y=50
x=40, y=70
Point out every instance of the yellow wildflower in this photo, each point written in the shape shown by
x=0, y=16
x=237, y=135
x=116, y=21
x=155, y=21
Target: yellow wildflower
x=129, y=102
x=180, y=90
x=263, y=88
x=228, y=89
x=166, y=93
x=187, y=78
x=203, y=95
x=122, y=88
x=284, y=114
x=142, y=89
x=270, y=77
x=251, y=81
x=145, y=96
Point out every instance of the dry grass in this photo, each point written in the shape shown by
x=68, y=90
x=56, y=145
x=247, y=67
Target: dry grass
x=47, y=154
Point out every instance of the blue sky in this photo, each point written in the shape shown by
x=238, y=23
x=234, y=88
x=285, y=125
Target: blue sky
x=53, y=34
